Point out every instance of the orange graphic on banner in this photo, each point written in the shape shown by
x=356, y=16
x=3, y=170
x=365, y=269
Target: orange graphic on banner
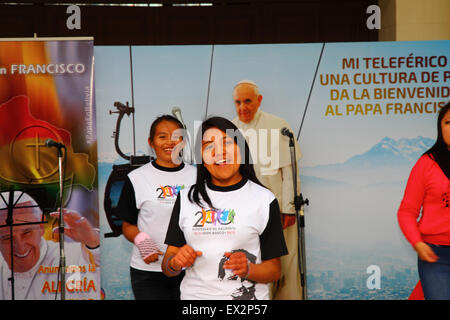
x=25, y=159
x=40, y=88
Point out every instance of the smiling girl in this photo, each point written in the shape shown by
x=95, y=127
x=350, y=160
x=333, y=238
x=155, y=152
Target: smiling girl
x=146, y=203
x=226, y=230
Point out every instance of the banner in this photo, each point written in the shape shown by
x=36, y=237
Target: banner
x=47, y=101
x=363, y=113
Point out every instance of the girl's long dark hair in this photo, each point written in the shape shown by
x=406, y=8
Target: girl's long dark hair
x=197, y=192
x=439, y=151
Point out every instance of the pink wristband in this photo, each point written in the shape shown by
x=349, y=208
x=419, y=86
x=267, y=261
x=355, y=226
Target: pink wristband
x=141, y=236
x=146, y=245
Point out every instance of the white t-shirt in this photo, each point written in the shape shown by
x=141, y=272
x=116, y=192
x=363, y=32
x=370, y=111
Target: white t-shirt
x=247, y=219
x=147, y=200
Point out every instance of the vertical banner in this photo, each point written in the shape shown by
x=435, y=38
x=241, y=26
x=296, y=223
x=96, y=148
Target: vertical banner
x=48, y=126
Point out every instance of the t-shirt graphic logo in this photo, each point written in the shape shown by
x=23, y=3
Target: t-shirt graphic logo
x=221, y=217
x=246, y=290
x=169, y=191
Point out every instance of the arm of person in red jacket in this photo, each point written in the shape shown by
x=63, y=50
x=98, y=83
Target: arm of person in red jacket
x=409, y=211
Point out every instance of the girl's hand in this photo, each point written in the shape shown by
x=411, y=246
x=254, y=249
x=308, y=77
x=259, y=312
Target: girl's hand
x=238, y=263
x=184, y=258
x=425, y=252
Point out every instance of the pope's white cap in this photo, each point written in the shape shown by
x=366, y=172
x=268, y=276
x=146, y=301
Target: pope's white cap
x=250, y=82
x=246, y=82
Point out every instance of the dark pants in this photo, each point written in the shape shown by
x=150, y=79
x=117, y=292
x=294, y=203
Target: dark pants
x=148, y=285
x=435, y=277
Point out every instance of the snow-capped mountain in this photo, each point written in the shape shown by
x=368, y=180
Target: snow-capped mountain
x=390, y=152
x=387, y=161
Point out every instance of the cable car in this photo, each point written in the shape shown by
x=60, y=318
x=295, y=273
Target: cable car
x=116, y=180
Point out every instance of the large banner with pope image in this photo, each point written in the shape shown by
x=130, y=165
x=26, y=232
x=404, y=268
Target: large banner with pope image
x=363, y=113
x=47, y=104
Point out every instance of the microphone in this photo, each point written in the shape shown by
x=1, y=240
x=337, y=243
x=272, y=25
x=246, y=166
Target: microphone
x=53, y=143
x=285, y=132
x=177, y=114
x=189, y=157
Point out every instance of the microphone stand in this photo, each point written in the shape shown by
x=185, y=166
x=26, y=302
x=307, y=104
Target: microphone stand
x=9, y=222
x=62, y=256
x=189, y=146
x=176, y=112
x=299, y=202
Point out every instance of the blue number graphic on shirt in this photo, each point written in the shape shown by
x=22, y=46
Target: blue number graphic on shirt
x=161, y=195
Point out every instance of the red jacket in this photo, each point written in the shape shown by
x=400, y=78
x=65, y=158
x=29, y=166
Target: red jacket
x=428, y=188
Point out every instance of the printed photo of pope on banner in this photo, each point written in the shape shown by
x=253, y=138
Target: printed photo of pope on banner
x=48, y=144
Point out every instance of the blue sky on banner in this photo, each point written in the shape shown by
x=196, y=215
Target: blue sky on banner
x=347, y=135
x=169, y=76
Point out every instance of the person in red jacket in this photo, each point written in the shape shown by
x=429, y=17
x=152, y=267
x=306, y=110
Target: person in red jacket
x=428, y=230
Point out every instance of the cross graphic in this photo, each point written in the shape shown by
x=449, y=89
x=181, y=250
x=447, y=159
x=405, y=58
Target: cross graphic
x=37, y=146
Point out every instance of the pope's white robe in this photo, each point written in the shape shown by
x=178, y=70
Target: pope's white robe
x=277, y=176
x=40, y=282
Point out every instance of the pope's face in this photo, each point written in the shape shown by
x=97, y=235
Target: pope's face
x=26, y=240
x=246, y=102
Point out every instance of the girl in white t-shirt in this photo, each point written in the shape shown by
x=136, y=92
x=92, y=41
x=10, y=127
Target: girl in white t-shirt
x=226, y=230
x=145, y=207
